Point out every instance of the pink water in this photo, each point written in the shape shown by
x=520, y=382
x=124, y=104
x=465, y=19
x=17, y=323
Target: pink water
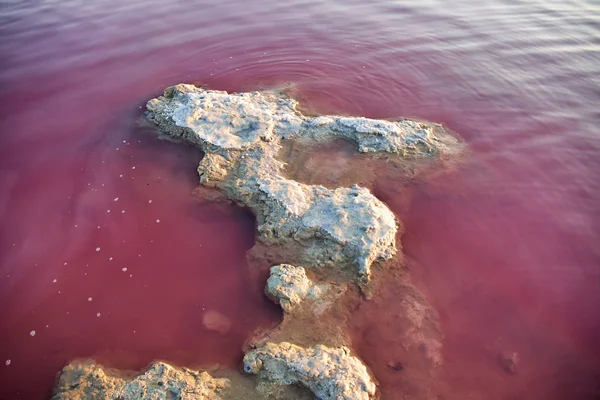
x=507, y=248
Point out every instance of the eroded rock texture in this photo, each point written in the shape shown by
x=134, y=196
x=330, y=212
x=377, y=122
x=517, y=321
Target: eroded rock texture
x=330, y=373
x=289, y=285
x=240, y=135
x=88, y=380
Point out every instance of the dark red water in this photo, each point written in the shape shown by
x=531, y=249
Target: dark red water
x=507, y=248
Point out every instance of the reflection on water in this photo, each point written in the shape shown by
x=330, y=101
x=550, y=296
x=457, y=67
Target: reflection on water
x=505, y=247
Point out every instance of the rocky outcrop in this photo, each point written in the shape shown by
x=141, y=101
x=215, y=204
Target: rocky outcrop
x=241, y=134
x=330, y=373
x=344, y=229
x=240, y=121
x=88, y=380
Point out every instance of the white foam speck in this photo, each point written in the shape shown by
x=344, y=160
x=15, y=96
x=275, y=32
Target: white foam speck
x=75, y=226
x=97, y=315
x=116, y=199
x=110, y=259
x=120, y=176
x=65, y=264
x=89, y=299
x=149, y=201
x=157, y=221
x=123, y=212
x=98, y=248
x=107, y=211
x=7, y=363
x=132, y=167
x=32, y=333
x=54, y=281
x=124, y=269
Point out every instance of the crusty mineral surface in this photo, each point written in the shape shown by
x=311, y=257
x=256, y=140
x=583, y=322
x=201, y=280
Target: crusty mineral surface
x=88, y=380
x=289, y=285
x=241, y=135
x=330, y=373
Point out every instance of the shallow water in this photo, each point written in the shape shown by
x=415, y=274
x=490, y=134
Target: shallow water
x=506, y=247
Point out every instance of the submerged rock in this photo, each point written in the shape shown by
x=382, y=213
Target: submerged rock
x=509, y=361
x=217, y=322
x=88, y=380
x=240, y=135
x=330, y=373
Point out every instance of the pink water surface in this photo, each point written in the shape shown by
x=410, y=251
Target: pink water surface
x=507, y=248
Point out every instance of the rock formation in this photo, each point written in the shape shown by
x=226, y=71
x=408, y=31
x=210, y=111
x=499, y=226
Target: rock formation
x=88, y=380
x=330, y=373
x=240, y=135
x=289, y=285
x=335, y=233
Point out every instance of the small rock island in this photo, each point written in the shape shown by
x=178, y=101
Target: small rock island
x=333, y=238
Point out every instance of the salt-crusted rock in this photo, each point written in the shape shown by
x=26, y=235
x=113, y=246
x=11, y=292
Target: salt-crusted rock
x=345, y=226
x=88, y=380
x=290, y=286
x=241, y=134
x=241, y=120
x=403, y=137
x=330, y=373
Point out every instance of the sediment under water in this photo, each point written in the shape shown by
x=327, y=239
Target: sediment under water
x=505, y=248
